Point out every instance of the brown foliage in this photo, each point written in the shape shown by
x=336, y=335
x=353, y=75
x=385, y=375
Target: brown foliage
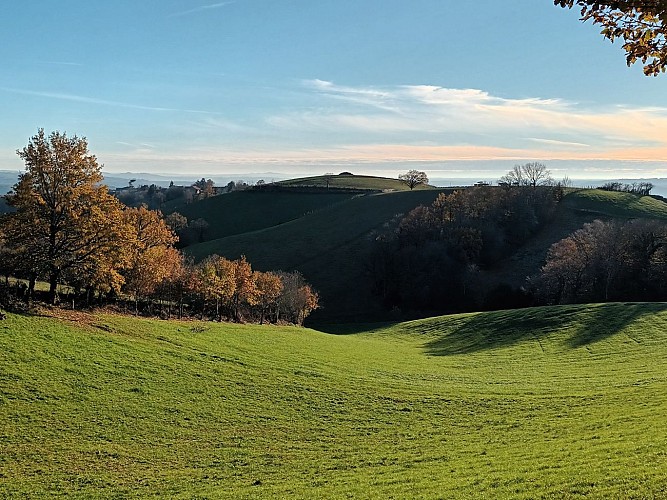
x=639, y=23
x=65, y=221
x=606, y=261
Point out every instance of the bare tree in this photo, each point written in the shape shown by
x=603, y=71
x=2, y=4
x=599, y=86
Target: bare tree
x=529, y=174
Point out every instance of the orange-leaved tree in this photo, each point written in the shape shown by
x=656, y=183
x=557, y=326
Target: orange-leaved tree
x=65, y=219
x=153, y=259
x=639, y=23
x=245, y=289
x=269, y=287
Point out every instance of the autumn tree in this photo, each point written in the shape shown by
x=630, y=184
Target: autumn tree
x=216, y=281
x=328, y=177
x=607, y=261
x=199, y=228
x=65, y=218
x=297, y=299
x=205, y=186
x=180, y=282
x=640, y=24
x=245, y=288
x=414, y=178
x=176, y=221
x=152, y=256
x=269, y=287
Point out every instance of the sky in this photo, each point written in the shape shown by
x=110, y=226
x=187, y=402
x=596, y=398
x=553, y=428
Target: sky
x=457, y=89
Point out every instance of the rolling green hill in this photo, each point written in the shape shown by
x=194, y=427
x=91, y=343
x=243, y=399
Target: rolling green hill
x=614, y=204
x=329, y=247
x=244, y=211
x=561, y=402
x=351, y=182
x=579, y=207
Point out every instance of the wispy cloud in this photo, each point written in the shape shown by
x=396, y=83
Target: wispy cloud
x=412, y=114
x=201, y=8
x=554, y=142
x=372, y=97
x=60, y=63
x=103, y=102
x=404, y=124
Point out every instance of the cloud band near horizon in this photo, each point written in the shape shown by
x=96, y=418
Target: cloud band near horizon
x=408, y=123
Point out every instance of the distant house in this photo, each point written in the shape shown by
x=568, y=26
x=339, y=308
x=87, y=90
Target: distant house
x=481, y=184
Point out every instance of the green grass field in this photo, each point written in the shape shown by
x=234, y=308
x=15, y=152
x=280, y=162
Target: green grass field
x=615, y=204
x=245, y=211
x=351, y=182
x=561, y=402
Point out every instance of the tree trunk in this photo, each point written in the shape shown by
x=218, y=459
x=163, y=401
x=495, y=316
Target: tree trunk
x=31, y=286
x=53, y=287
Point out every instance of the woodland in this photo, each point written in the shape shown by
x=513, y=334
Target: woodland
x=67, y=229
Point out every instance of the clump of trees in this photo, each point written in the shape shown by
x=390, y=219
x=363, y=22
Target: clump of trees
x=230, y=289
x=68, y=229
x=606, y=261
x=531, y=174
x=435, y=257
x=640, y=188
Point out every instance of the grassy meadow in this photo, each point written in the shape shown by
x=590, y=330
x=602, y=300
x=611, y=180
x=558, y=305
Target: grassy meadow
x=245, y=211
x=557, y=402
x=615, y=204
x=351, y=182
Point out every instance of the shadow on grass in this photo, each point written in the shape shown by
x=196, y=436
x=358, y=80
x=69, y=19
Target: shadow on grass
x=580, y=324
x=605, y=320
x=349, y=328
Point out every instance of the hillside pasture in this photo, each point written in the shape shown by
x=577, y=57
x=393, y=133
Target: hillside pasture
x=331, y=245
x=560, y=402
x=245, y=211
x=328, y=246
x=615, y=204
x=351, y=182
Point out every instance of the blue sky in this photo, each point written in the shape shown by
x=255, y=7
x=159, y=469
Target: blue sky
x=305, y=87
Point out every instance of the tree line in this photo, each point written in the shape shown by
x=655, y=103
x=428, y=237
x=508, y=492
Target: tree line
x=68, y=230
x=433, y=258
x=606, y=261
x=640, y=188
x=436, y=258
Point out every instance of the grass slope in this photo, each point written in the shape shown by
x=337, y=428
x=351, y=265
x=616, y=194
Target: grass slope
x=328, y=246
x=351, y=182
x=614, y=204
x=563, y=402
x=244, y=211
x=579, y=207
